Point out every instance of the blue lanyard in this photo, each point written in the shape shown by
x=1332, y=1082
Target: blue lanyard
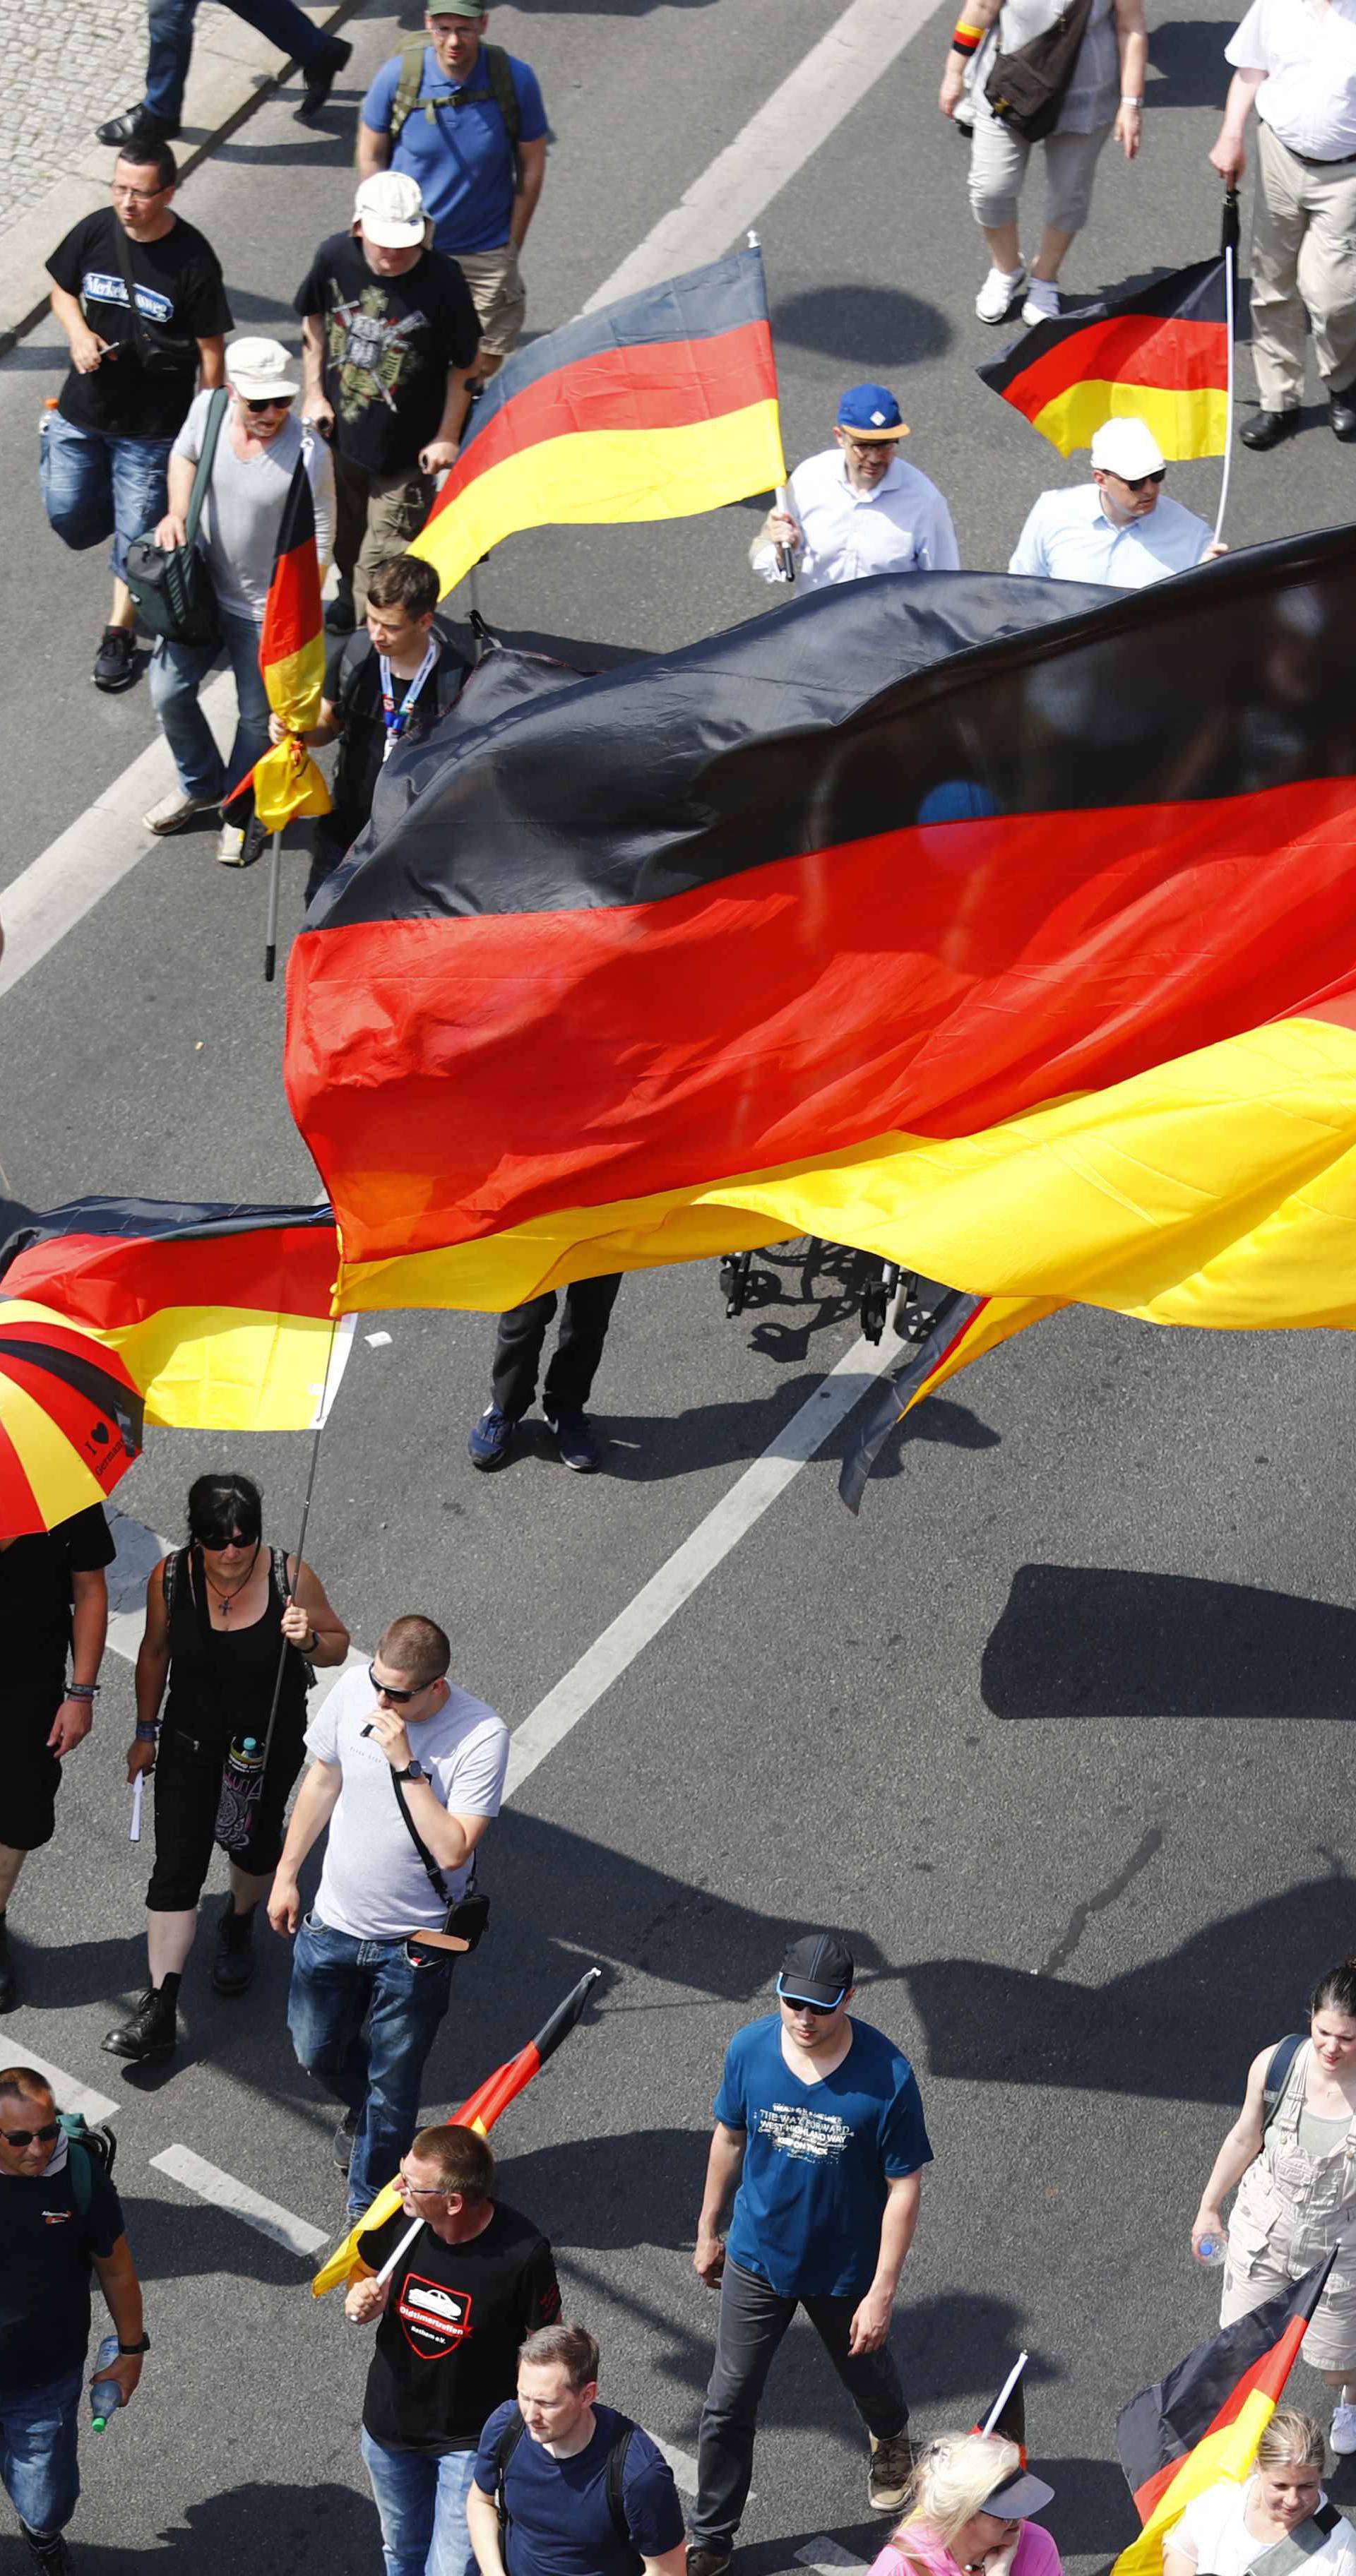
x=395, y=718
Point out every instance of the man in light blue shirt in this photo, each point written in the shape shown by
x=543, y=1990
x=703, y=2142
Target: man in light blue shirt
x=1119, y=529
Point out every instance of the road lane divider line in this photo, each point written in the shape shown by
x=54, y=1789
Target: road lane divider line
x=700, y=1553
x=66, y=2092
x=209, y=2183
x=825, y=2557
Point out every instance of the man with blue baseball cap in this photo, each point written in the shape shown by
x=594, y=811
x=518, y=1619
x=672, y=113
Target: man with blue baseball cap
x=857, y=508
x=819, y=2138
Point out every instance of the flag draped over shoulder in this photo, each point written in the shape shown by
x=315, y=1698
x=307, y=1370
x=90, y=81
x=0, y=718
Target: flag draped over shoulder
x=220, y=1315
x=658, y=407
x=1203, y=2422
x=1161, y=355
x=997, y=927
x=292, y=660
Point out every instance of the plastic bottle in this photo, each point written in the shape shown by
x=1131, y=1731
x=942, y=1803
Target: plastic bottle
x=1211, y=2251
x=105, y=2396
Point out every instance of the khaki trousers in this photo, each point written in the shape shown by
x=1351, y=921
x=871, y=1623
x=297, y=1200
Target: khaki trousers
x=500, y=299
x=1303, y=265
x=376, y=516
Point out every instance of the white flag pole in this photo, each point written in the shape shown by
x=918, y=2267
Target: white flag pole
x=1229, y=245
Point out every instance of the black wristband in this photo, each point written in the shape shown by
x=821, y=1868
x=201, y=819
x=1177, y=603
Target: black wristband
x=129, y=2349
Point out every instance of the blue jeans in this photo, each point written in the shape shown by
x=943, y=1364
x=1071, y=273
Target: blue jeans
x=177, y=674
x=170, y=27
x=337, y=1984
x=422, y=2504
x=38, y=2465
x=96, y=486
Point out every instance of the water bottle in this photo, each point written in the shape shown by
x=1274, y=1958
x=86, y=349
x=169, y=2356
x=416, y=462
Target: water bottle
x=1211, y=2251
x=105, y=2396
x=241, y=1785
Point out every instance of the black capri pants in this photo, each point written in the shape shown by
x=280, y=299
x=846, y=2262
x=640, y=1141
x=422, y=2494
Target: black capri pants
x=188, y=1771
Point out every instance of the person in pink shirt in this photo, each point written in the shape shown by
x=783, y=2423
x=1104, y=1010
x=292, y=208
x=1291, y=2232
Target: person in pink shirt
x=970, y=2503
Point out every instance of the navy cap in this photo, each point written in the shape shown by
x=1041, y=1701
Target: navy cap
x=1018, y=2496
x=870, y=411
x=816, y=1970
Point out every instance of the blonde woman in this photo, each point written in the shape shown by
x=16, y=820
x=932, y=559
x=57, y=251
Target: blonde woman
x=1224, y=2531
x=970, y=2503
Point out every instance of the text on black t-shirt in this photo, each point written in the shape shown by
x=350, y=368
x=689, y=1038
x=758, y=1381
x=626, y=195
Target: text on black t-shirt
x=447, y=2346
x=180, y=296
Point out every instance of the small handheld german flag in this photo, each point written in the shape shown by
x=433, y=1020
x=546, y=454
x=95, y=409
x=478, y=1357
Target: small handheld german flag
x=1161, y=356
x=292, y=660
x=1006, y=2418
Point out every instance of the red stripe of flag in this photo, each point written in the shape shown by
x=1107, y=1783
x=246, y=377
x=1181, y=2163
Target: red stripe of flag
x=292, y=617
x=1174, y=357
x=1267, y=2375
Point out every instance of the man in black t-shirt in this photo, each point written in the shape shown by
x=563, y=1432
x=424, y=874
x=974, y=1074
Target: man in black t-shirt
x=390, y=337
x=53, y=1602
x=133, y=374
x=475, y=2282
x=59, y=2215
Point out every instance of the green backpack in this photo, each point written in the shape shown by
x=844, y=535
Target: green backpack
x=496, y=83
x=88, y=2148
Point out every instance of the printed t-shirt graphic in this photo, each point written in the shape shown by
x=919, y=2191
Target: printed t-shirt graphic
x=181, y=300
x=447, y=2347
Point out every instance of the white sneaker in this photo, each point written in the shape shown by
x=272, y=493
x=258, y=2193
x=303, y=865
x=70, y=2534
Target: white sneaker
x=999, y=293
x=1042, y=303
x=1342, y=2430
x=174, y=812
x=231, y=846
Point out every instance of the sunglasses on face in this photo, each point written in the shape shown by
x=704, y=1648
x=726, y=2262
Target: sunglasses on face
x=383, y=1690
x=220, y=1540
x=800, y=2003
x=268, y=402
x=30, y=2137
x=1136, y=482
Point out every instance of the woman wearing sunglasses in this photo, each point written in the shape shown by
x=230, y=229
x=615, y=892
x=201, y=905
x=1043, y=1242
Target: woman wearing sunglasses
x=221, y=1614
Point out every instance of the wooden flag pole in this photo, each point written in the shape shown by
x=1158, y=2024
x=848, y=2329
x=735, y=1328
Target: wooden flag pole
x=1229, y=246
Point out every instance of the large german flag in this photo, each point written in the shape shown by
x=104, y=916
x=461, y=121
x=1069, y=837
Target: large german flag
x=1022, y=953
x=1203, y=2422
x=287, y=781
x=1161, y=355
x=962, y=1329
x=220, y=1315
x=655, y=408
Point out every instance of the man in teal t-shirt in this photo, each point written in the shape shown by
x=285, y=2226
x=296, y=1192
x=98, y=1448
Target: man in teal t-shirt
x=820, y=2125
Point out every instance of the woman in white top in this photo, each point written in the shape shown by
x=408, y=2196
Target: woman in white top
x=1294, y=2160
x=1225, y=2531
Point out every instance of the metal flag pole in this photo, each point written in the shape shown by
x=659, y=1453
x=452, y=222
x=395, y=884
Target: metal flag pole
x=271, y=932
x=786, y=560
x=322, y=1416
x=1229, y=231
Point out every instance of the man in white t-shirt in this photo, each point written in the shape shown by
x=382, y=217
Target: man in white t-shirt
x=364, y=1953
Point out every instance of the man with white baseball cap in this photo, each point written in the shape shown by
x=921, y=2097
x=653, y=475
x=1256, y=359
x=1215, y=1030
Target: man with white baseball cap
x=390, y=337
x=1119, y=529
x=249, y=474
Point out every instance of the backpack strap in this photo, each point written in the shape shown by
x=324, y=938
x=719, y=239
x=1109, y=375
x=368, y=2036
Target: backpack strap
x=81, y=2165
x=407, y=86
x=616, y=2483
x=1283, y=2057
x=500, y=87
x=499, y=73
x=504, y=2449
x=217, y=401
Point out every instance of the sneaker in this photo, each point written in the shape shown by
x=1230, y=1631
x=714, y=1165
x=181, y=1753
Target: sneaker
x=1042, y=303
x=320, y=75
x=176, y=811
x=491, y=1438
x=115, y=663
x=707, y=2562
x=1342, y=2431
x=576, y=1440
x=890, y=2471
x=999, y=293
x=48, y=2549
x=231, y=846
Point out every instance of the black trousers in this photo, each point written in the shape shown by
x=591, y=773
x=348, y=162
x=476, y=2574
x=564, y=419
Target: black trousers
x=574, y=1362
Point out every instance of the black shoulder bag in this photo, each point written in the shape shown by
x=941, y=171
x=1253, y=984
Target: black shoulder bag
x=466, y=1918
x=1026, y=88
x=171, y=585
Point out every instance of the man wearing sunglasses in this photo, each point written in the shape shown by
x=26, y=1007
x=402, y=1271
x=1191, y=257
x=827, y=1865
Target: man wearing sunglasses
x=56, y=2222
x=400, y=1757
x=1120, y=529
x=251, y=475
x=819, y=2138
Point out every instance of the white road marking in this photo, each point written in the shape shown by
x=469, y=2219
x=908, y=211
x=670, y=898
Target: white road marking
x=787, y=131
x=683, y=2465
x=224, y=2192
x=709, y=1543
x=826, y=2556
x=66, y=2092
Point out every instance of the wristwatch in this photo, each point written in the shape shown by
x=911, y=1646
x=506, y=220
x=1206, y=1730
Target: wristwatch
x=412, y=1771
x=130, y=2348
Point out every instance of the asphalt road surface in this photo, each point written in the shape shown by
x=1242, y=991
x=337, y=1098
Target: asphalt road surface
x=1056, y=1731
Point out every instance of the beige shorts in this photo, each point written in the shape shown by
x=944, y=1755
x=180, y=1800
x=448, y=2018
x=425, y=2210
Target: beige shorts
x=498, y=294
x=1259, y=2269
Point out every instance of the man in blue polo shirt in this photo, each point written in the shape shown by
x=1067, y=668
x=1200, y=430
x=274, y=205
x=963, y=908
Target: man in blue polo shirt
x=565, y=2487
x=819, y=2124
x=467, y=121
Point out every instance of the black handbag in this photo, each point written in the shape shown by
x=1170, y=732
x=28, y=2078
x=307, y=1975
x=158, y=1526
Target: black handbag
x=466, y=1919
x=171, y=585
x=1026, y=89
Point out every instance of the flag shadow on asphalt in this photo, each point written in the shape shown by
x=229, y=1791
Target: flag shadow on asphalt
x=1102, y=1641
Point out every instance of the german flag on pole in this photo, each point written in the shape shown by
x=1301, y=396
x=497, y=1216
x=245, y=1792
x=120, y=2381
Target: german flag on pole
x=962, y=1329
x=221, y=1315
x=292, y=660
x=661, y=964
x=1161, y=355
x=658, y=407
x=1204, y=2421
x=1006, y=2418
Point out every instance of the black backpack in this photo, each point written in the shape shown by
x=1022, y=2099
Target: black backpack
x=508, y=2443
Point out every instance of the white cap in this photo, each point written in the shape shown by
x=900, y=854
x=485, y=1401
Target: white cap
x=1128, y=448
x=390, y=208
x=259, y=369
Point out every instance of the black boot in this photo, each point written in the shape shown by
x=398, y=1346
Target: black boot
x=151, y=2030
x=49, y=2551
x=233, y=1966
x=9, y=1983
x=341, y=616
x=320, y=74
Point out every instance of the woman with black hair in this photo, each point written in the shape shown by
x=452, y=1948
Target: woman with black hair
x=1292, y=2154
x=220, y=1613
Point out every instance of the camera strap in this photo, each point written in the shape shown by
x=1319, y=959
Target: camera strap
x=140, y=337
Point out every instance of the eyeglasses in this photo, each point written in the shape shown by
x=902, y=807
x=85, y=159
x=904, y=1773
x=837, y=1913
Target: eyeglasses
x=424, y=2190
x=268, y=402
x=383, y=1690
x=140, y=196
x=869, y=446
x=31, y=2137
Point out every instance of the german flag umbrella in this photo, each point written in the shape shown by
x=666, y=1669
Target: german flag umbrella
x=70, y=1419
